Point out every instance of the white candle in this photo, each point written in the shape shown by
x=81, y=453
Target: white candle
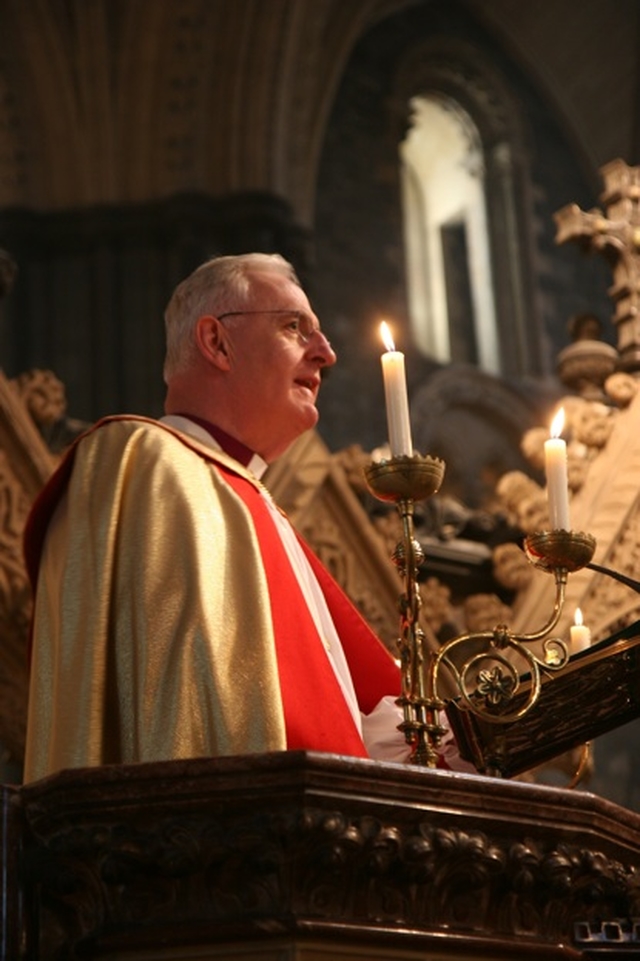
x=580, y=634
x=395, y=391
x=555, y=457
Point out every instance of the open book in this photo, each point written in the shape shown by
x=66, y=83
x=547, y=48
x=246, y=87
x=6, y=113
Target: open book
x=597, y=691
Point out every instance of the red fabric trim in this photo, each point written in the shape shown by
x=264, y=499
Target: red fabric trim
x=373, y=670
x=316, y=714
x=41, y=512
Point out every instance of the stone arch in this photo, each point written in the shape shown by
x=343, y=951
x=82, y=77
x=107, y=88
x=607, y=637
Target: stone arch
x=458, y=70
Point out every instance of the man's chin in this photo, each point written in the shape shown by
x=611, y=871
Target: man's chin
x=303, y=424
x=307, y=416
x=314, y=417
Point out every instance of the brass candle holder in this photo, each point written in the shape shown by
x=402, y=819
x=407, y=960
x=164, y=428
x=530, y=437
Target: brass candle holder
x=403, y=481
x=489, y=679
x=487, y=667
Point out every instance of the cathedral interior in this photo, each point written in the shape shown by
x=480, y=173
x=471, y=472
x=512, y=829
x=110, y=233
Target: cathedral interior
x=466, y=170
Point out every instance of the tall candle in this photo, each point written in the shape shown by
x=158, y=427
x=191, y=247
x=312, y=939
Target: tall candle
x=555, y=457
x=580, y=634
x=395, y=391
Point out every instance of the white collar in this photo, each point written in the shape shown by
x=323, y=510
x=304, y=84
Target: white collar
x=256, y=465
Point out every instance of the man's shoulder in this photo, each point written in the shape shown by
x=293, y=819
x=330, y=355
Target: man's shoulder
x=123, y=426
x=104, y=453
x=119, y=433
x=135, y=429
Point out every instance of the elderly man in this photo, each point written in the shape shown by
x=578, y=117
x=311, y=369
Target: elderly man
x=177, y=614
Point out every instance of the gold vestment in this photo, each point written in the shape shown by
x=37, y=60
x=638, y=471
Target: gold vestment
x=108, y=689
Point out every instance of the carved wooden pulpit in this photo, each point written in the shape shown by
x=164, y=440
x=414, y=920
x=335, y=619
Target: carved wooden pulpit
x=307, y=856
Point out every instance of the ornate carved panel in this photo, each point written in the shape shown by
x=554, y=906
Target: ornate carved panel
x=345, y=851
x=606, y=506
x=25, y=464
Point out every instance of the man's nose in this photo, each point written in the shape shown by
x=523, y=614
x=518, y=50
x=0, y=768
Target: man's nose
x=322, y=349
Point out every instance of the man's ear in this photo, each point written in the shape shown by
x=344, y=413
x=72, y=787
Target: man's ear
x=211, y=340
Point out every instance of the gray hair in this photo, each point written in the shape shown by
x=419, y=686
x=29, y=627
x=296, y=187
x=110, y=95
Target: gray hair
x=219, y=285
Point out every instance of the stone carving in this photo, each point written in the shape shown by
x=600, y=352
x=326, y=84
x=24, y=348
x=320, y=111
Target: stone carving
x=34, y=401
x=436, y=599
x=15, y=611
x=511, y=567
x=525, y=499
x=607, y=600
x=483, y=611
x=614, y=234
x=586, y=363
x=43, y=395
x=474, y=422
x=621, y=388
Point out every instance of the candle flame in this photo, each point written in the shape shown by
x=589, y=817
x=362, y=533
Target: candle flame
x=385, y=333
x=557, y=424
x=577, y=617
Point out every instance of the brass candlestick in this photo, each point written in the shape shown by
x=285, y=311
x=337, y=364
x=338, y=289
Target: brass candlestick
x=484, y=665
x=402, y=481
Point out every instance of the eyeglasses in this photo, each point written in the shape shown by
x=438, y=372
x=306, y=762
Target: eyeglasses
x=302, y=323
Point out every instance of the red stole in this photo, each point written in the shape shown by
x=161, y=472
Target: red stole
x=316, y=714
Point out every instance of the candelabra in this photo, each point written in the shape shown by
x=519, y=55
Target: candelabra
x=488, y=668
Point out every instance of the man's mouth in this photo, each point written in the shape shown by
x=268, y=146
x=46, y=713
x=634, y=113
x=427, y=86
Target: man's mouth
x=311, y=383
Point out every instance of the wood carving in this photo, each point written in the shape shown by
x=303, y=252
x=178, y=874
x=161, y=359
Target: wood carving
x=186, y=853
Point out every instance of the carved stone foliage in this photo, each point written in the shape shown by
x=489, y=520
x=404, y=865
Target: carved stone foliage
x=188, y=871
x=608, y=601
x=603, y=458
x=31, y=405
x=15, y=611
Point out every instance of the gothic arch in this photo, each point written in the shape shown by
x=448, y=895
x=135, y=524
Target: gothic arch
x=458, y=70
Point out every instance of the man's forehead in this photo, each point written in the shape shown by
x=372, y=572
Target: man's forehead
x=268, y=286
x=268, y=279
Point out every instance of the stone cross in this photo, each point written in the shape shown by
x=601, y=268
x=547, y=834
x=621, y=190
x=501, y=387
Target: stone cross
x=616, y=235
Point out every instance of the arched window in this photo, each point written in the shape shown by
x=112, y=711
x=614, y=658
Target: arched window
x=449, y=279
x=467, y=211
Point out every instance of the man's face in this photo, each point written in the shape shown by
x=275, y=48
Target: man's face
x=276, y=360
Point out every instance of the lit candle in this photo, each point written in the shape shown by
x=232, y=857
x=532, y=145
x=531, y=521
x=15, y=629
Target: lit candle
x=395, y=391
x=555, y=457
x=580, y=634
